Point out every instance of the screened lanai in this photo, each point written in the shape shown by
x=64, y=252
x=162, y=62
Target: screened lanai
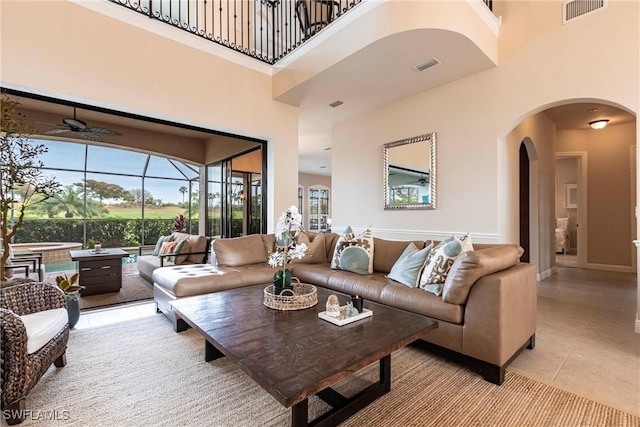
x=118, y=197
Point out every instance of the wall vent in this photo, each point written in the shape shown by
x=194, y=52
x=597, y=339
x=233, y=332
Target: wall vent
x=426, y=64
x=574, y=9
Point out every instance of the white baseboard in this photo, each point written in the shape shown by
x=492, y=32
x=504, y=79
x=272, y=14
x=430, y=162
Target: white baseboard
x=547, y=273
x=607, y=267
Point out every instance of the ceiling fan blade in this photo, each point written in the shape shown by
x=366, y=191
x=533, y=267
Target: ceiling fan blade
x=56, y=131
x=102, y=131
x=90, y=135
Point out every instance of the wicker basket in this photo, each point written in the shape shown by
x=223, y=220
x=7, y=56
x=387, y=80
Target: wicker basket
x=303, y=296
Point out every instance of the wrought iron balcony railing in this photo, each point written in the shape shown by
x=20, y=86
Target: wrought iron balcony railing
x=263, y=29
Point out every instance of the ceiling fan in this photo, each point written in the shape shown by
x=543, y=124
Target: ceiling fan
x=81, y=128
x=422, y=181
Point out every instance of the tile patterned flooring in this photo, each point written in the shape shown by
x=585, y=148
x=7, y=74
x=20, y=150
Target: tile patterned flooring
x=585, y=342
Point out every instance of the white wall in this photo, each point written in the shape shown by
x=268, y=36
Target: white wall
x=542, y=63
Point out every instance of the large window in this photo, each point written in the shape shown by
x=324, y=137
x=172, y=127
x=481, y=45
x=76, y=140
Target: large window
x=119, y=197
x=318, y=208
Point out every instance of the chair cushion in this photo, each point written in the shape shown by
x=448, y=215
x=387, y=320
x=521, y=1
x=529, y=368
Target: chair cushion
x=42, y=326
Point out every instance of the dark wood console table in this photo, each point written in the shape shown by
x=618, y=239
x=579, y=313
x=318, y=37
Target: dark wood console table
x=100, y=272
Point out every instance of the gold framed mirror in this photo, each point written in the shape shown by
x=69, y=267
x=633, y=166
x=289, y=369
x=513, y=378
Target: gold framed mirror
x=409, y=175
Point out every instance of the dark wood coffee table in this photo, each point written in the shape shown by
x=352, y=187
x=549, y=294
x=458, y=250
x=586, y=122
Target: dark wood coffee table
x=295, y=355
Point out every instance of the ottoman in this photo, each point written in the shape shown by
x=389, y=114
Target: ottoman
x=171, y=283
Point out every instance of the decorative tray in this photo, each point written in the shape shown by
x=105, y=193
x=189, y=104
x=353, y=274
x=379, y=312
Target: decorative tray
x=303, y=296
x=341, y=321
x=101, y=251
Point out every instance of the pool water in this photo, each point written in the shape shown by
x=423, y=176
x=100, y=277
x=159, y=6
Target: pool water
x=52, y=267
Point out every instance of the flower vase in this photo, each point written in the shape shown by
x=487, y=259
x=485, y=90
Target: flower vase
x=282, y=281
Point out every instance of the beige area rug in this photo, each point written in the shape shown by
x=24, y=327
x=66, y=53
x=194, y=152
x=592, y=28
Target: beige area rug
x=141, y=373
x=134, y=288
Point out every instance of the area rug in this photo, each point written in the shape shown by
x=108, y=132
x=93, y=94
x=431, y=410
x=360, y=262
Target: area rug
x=134, y=288
x=140, y=373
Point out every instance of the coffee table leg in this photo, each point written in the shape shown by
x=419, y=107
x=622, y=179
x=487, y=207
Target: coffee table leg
x=343, y=407
x=210, y=352
x=299, y=414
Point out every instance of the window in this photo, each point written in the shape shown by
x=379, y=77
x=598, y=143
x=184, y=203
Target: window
x=318, y=207
x=120, y=197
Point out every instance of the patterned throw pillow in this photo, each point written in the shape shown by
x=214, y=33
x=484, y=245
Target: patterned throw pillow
x=161, y=240
x=168, y=247
x=354, y=253
x=440, y=260
x=408, y=267
x=183, y=247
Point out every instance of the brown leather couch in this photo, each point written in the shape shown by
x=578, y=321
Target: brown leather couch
x=491, y=319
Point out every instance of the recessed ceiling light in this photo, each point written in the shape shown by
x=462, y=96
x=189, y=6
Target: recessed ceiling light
x=335, y=104
x=426, y=64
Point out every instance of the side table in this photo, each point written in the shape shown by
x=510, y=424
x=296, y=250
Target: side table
x=100, y=272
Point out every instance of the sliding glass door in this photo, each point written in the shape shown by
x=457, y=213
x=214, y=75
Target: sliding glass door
x=235, y=195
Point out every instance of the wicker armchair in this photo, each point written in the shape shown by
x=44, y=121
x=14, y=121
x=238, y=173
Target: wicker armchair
x=21, y=371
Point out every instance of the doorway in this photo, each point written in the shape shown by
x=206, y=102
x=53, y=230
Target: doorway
x=235, y=194
x=524, y=186
x=571, y=202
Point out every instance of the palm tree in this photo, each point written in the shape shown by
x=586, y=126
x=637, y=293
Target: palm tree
x=183, y=190
x=71, y=202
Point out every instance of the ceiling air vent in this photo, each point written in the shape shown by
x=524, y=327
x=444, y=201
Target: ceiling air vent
x=576, y=8
x=335, y=104
x=426, y=64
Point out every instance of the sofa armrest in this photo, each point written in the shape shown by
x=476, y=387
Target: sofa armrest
x=500, y=314
x=145, y=247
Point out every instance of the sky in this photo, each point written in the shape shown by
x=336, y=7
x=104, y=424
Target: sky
x=100, y=160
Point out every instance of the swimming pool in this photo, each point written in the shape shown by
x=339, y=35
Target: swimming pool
x=53, y=267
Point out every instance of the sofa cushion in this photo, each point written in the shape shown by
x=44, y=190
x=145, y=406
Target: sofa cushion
x=440, y=260
x=183, y=247
x=237, y=251
x=354, y=253
x=197, y=248
x=471, y=266
x=168, y=247
x=388, y=251
x=42, y=326
x=161, y=240
x=408, y=267
x=316, y=253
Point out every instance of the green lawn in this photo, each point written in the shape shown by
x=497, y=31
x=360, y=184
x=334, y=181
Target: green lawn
x=149, y=213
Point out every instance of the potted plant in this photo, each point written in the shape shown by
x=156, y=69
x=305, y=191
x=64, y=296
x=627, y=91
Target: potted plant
x=22, y=183
x=287, y=230
x=71, y=293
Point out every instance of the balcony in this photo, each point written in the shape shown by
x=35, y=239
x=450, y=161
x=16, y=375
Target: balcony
x=266, y=30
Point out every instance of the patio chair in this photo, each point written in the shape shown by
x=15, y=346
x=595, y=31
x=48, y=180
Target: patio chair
x=27, y=263
x=314, y=15
x=34, y=330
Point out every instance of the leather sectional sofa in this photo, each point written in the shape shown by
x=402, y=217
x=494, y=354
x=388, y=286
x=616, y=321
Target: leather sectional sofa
x=487, y=329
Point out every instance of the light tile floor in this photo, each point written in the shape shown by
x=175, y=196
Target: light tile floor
x=585, y=340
